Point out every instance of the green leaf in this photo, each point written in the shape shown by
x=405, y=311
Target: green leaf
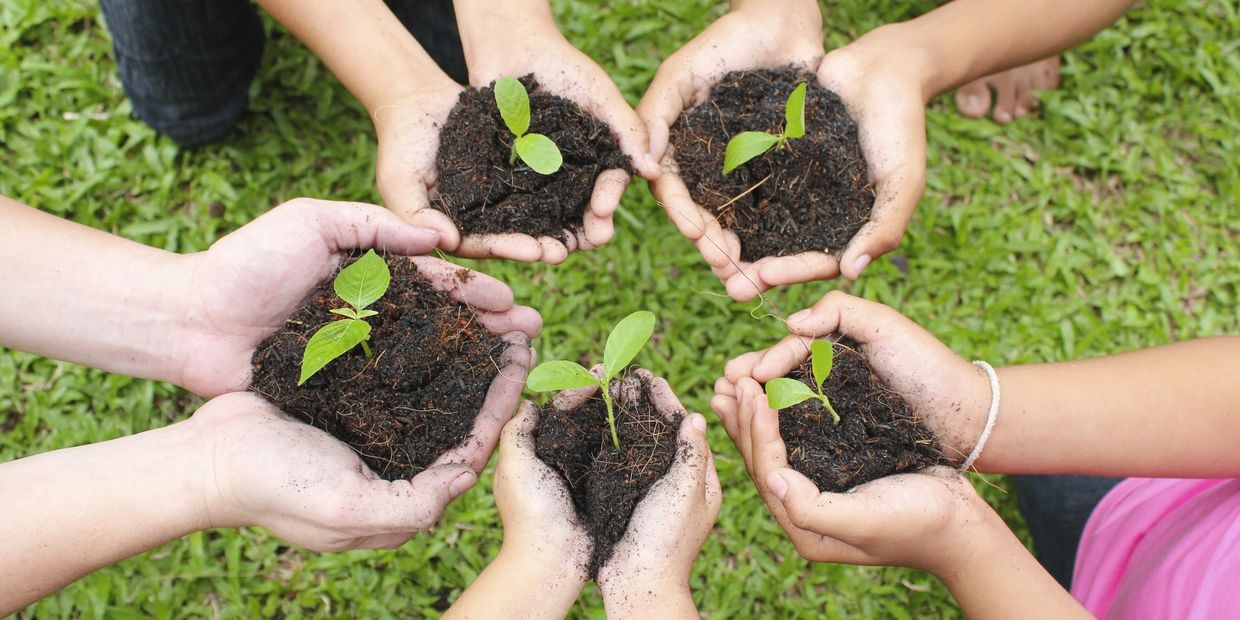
x=783, y=392
x=539, y=152
x=363, y=282
x=514, y=105
x=349, y=312
x=746, y=146
x=331, y=341
x=794, y=113
x=625, y=340
x=365, y=313
x=560, y=375
x=822, y=354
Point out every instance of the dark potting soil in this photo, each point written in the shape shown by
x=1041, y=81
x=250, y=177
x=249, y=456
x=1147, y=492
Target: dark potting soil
x=877, y=435
x=482, y=193
x=810, y=195
x=607, y=484
x=413, y=400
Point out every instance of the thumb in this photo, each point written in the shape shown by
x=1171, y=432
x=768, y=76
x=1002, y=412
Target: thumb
x=518, y=435
x=415, y=505
x=353, y=225
x=410, y=200
x=693, y=457
x=835, y=515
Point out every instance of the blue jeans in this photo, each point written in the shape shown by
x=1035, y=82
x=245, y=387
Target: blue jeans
x=1056, y=509
x=186, y=65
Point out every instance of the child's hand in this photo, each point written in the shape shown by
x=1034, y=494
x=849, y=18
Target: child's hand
x=755, y=34
x=926, y=520
x=262, y=468
x=648, y=573
x=541, y=529
x=950, y=394
x=243, y=288
x=517, y=38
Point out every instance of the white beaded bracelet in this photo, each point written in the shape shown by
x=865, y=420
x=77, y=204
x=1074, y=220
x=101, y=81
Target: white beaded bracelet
x=990, y=418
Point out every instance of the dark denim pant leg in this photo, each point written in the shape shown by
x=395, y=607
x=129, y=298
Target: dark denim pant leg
x=1056, y=509
x=433, y=24
x=186, y=65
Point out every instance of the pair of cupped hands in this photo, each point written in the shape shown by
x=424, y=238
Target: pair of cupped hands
x=885, y=98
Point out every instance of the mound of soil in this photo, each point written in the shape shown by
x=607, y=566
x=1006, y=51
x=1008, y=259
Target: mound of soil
x=877, y=435
x=482, y=193
x=413, y=400
x=810, y=195
x=606, y=484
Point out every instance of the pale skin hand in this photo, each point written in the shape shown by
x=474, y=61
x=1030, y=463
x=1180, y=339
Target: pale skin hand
x=245, y=286
x=951, y=395
x=933, y=521
x=517, y=38
x=545, y=547
x=647, y=575
x=755, y=34
x=237, y=462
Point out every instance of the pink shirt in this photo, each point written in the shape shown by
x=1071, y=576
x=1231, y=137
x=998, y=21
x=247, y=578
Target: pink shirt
x=1162, y=548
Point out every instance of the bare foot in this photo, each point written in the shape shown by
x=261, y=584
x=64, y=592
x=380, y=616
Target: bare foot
x=1015, y=89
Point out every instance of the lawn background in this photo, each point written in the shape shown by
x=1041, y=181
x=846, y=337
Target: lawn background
x=1106, y=222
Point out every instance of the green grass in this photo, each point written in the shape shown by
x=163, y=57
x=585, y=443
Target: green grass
x=1105, y=223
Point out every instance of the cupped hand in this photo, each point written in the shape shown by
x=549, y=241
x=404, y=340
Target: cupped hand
x=756, y=35
x=541, y=527
x=672, y=521
x=245, y=286
x=303, y=485
x=500, y=43
x=924, y=520
x=406, y=171
x=951, y=395
x=887, y=98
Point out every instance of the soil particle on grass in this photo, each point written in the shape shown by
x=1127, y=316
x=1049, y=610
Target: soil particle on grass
x=482, y=193
x=413, y=400
x=607, y=484
x=811, y=195
x=877, y=435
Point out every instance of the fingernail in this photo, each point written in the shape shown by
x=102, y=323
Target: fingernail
x=698, y=422
x=778, y=485
x=800, y=316
x=462, y=483
x=862, y=262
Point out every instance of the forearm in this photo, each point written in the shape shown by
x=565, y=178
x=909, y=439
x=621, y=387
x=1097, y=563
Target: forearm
x=967, y=39
x=1172, y=410
x=78, y=294
x=996, y=577
x=511, y=588
x=364, y=45
x=69, y=512
x=484, y=22
x=662, y=602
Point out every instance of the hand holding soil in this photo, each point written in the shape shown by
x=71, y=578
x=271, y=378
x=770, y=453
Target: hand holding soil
x=266, y=469
x=927, y=520
x=570, y=209
x=248, y=282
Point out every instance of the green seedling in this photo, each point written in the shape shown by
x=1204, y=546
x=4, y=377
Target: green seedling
x=623, y=344
x=536, y=150
x=783, y=392
x=359, y=285
x=747, y=145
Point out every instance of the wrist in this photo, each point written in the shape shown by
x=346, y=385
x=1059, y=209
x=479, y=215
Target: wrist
x=904, y=49
x=971, y=544
x=493, y=32
x=647, y=597
x=559, y=577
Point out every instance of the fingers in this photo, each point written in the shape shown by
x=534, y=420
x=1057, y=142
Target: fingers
x=351, y=225
x=608, y=189
x=410, y=200
x=512, y=246
x=497, y=407
x=523, y=319
x=568, y=400
x=469, y=287
x=689, y=471
x=724, y=404
x=382, y=507
x=518, y=434
x=839, y=312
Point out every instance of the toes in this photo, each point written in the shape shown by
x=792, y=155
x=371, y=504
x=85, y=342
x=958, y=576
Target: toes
x=973, y=99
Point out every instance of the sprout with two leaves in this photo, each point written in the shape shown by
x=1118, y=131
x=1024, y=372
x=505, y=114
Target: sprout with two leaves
x=783, y=392
x=537, y=151
x=747, y=145
x=359, y=285
x=623, y=344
